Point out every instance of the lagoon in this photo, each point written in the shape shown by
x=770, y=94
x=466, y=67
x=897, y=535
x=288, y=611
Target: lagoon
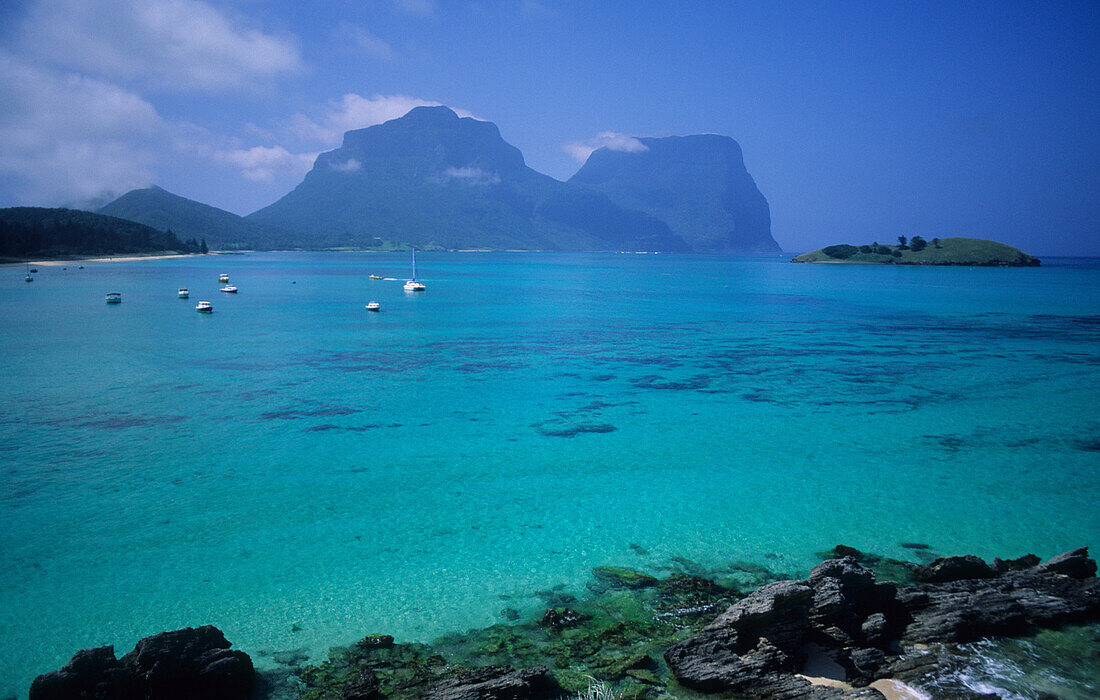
x=298, y=471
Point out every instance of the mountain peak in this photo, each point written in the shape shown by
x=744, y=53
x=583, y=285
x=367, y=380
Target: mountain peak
x=697, y=184
x=437, y=115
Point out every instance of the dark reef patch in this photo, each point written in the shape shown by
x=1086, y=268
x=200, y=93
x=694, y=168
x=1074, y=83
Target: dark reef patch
x=561, y=429
x=1087, y=444
x=656, y=381
x=118, y=422
x=295, y=414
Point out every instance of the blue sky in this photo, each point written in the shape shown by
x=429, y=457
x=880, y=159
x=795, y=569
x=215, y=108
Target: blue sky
x=859, y=120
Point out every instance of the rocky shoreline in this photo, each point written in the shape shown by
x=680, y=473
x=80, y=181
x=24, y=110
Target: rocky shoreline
x=867, y=624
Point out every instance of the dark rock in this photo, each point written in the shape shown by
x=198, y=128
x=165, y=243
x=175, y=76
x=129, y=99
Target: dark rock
x=92, y=673
x=842, y=550
x=1075, y=564
x=778, y=611
x=495, y=683
x=875, y=629
x=375, y=641
x=687, y=584
x=915, y=545
x=557, y=619
x=947, y=569
x=187, y=663
x=191, y=663
x=1005, y=565
x=757, y=636
x=968, y=609
x=846, y=597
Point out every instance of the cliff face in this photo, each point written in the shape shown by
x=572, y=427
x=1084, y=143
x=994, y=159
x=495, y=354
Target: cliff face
x=698, y=185
x=431, y=178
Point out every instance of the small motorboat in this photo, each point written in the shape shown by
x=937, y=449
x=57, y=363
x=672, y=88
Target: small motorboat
x=204, y=307
x=230, y=289
x=376, y=277
x=28, y=278
x=34, y=270
x=374, y=306
x=114, y=298
x=183, y=293
x=223, y=278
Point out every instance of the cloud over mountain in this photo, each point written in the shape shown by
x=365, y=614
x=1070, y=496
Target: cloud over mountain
x=580, y=150
x=69, y=137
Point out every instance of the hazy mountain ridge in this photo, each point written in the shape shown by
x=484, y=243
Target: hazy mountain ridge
x=698, y=185
x=222, y=230
x=434, y=180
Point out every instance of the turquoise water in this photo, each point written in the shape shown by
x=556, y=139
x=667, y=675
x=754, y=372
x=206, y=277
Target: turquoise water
x=299, y=471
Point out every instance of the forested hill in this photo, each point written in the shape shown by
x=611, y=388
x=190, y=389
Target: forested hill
x=34, y=232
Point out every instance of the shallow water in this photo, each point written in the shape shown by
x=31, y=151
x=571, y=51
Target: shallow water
x=299, y=471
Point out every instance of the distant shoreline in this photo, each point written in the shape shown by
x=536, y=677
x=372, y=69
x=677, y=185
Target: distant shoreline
x=54, y=262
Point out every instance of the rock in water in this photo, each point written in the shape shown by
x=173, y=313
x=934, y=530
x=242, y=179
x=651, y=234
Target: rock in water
x=178, y=665
x=756, y=646
x=92, y=673
x=947, y=569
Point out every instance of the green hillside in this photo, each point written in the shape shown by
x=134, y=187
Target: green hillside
x=937, y=251
x=221, y=229
x=34, y=232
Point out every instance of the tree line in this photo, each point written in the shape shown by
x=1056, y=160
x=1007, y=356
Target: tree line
x=38, y=232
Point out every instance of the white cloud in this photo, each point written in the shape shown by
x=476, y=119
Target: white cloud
x=471, y=176
x=580, y=150
x=368, y=43
x=349, y=166
x=70, y=138
x=264, y=163
x=355, y=112
x=177, y=44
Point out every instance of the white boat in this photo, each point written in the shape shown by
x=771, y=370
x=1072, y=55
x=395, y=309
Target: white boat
x=376, y=277
x=223, y=278
x=114, y=298
x=204, y=307
x=413, y=285
x=228, y=288
x=374, y=306
x=28, y=278
x=183, y=293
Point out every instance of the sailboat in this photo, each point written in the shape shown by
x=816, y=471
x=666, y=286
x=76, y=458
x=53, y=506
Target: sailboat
x=413, y=285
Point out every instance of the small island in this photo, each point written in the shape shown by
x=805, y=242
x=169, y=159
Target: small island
x=938, y=251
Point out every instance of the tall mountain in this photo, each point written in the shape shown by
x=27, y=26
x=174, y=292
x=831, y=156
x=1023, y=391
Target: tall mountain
x=187, y=218
x=431, y=178
x=698, y=185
